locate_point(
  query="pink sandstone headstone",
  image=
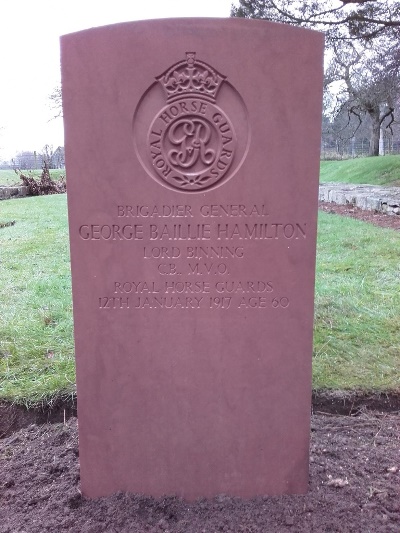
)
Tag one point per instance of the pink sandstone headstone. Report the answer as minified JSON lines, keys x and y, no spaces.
{"x":192,"y":150}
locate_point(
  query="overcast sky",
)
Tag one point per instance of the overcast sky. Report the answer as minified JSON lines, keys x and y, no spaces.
{"x":30,"y":56}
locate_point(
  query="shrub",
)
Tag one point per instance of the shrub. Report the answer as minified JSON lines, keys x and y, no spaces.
{"x":44,"y":184}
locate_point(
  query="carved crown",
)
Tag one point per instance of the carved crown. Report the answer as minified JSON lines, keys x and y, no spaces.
{"x":191,"y":77}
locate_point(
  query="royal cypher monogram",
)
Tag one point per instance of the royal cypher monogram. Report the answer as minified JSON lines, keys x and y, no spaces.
{"x":191,"y":141}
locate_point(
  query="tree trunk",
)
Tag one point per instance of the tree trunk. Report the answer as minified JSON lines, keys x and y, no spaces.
{"x":381,"y":142}
{"x":375,"y":132}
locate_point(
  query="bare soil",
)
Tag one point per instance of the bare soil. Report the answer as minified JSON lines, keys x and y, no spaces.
{"x":373,"y":217}
{"x":354,"y":487}
{"x":354,"y":473}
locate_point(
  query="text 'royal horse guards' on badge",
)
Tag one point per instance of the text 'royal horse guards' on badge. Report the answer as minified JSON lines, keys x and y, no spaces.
{"x":192,"y":144}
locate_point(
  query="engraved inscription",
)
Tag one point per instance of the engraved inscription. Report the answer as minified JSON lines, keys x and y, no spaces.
{"x":219,"y":295}
{"x":114,"y":232}
{"x":195,"y":265}
{"x":185,"y":211}
{"x":106,"y":302}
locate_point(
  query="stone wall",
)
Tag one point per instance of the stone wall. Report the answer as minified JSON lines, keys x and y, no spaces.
{"x":369,"y":197}
{"x":17,"y":191}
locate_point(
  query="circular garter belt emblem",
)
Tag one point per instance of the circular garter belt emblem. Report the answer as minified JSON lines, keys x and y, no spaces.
{"x":184,"y":135}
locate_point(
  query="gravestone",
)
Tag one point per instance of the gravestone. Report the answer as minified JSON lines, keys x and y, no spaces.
{"x":192,"y":152}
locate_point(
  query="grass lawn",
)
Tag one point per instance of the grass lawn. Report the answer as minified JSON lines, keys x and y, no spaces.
{"x":9,"y":177}
{"x":36,"y":347}
{"x":384,"y":170}
{"x":357,"y":306}
{"x":357,"y":326}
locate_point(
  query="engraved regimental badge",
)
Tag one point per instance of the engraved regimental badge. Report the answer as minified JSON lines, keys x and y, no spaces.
{"x":190,"y":128}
